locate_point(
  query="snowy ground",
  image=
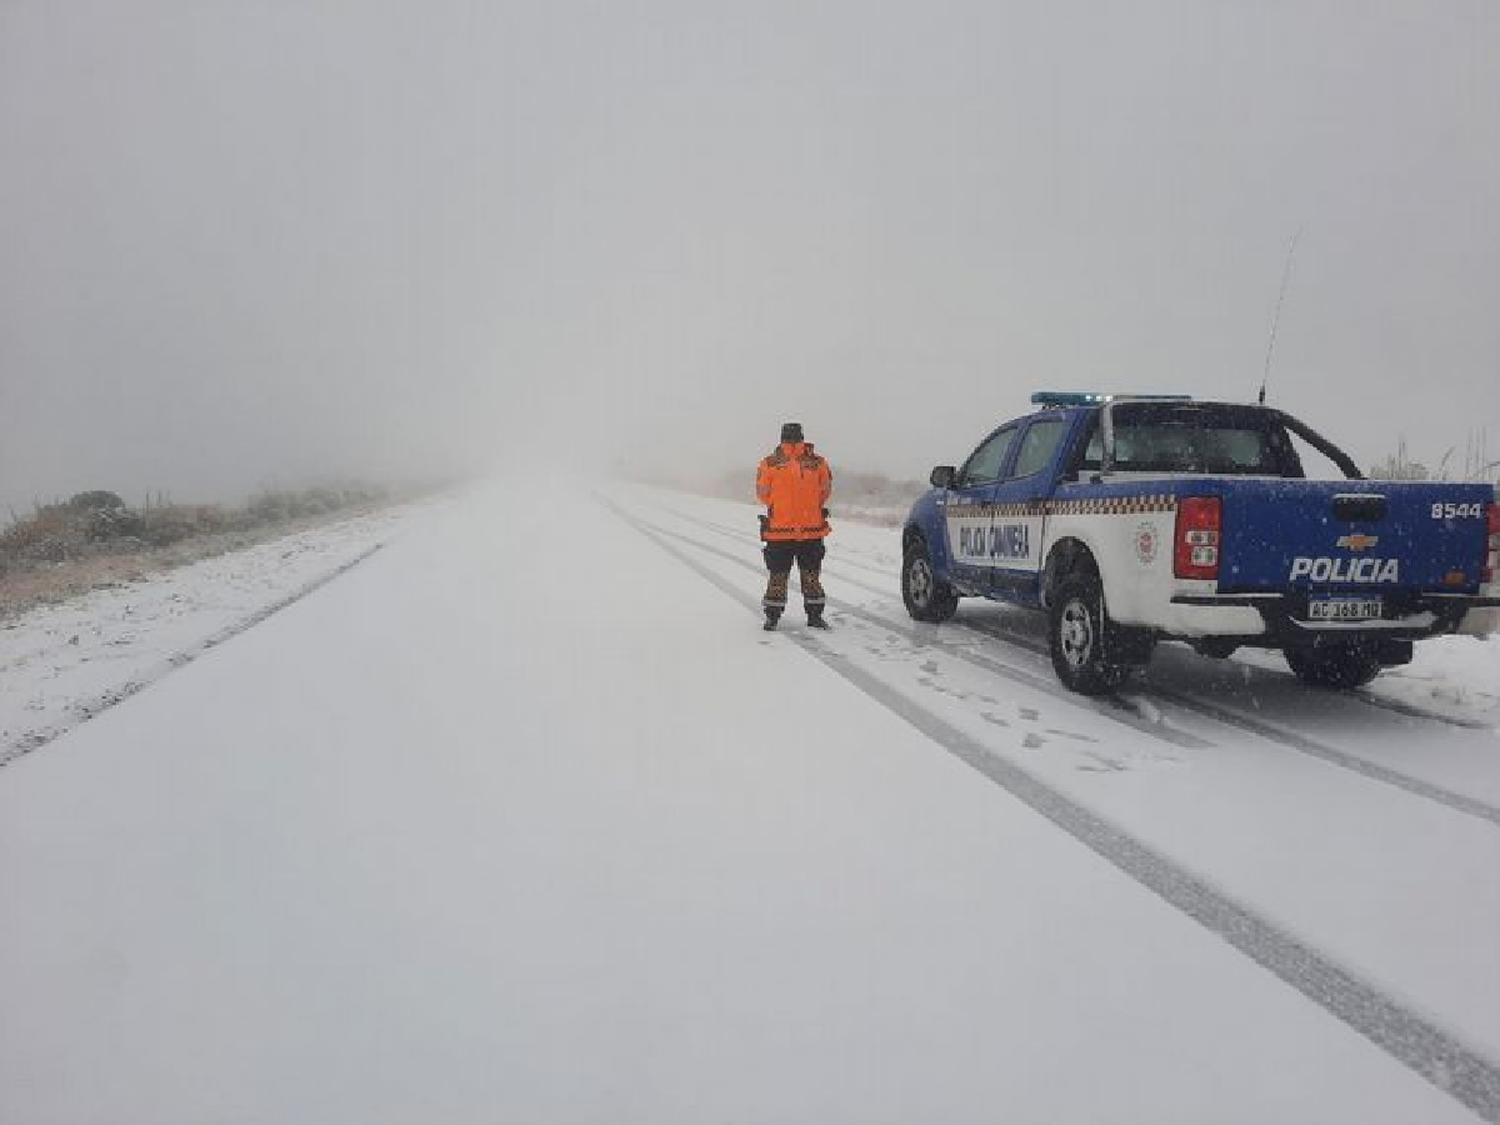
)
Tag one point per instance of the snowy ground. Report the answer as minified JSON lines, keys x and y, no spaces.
{"x":523,"y":819}
{"x":61,"y":664}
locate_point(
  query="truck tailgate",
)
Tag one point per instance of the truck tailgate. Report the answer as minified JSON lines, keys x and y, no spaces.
{"x":1295,"y":535}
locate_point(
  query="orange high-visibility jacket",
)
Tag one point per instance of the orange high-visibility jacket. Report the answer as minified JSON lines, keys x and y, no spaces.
{"x":794,"y":483}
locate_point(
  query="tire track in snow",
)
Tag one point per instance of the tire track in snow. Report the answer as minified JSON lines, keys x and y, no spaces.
{"x":1412,"y":711}
{"x":82,"y":712}
{"x":1361,"y":696}
{"x":1116,"y":710}
{"x":1470,"y":806}
{"x":1220,"y":713}
{"x":1291,"y":740}
{"x":1420,"y":1044}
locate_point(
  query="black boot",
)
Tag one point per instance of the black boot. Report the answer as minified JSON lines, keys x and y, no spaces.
{"x":772,"y":617}
{"x":815,"y":618}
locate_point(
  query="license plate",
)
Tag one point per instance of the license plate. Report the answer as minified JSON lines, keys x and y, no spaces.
{"x":1344,"y":609}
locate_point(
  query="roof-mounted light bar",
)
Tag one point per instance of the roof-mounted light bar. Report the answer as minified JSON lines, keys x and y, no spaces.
{"x":1093,"y":398}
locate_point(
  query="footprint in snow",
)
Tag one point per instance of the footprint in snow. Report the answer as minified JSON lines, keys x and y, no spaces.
{"x":1144,"y":708}
{"x":991,"y":717}
{"x":1103,"y":765}
{"x":1033,"y":741}
{"x":1072,"y":735}
{"x":931,"y":668}
{"x":1029,"y":713}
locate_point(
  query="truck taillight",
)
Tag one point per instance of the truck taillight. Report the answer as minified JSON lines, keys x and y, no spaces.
{"x":1492,"y":543}
{"x":1196,"y":551}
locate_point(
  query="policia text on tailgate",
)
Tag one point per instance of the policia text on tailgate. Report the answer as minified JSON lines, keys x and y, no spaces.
{"x":1131,"y":519}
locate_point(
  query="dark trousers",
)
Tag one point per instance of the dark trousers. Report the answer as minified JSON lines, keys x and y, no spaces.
{"x":808,"y":555}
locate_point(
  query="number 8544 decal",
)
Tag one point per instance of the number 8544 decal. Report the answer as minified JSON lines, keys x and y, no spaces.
{"x":1457,"y":511}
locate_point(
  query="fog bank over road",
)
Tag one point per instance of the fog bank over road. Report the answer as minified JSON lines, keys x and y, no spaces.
{"x":263,"y":244}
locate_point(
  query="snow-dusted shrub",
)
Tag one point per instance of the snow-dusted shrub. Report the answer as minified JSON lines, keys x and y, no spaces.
{"x":98,"y":499}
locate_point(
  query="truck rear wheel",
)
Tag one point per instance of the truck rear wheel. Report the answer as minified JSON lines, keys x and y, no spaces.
{"x":1079,"y":623}
{"x":1334,"y":666}
{"x":927,"y":597}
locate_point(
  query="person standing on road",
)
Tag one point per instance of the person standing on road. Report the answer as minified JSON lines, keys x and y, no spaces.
{"x":794,"y":484}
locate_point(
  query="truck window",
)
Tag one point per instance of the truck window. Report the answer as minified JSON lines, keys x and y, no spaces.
{"x":1038,"y":446}
{"x":983,"y":465}
{"x":1197,"y":438}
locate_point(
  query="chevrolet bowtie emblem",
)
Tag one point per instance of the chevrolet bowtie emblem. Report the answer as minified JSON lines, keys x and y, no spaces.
{"x":1358,"y":542}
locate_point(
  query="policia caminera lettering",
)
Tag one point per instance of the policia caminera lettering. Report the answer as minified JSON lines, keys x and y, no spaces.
{"x":794,"y":483}
{"x":999,"y":541}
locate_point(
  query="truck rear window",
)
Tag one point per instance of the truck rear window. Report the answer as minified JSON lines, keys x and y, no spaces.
{"x":1194,"y":438}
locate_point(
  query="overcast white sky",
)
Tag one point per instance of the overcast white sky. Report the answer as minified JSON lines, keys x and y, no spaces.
{"x":251,"y":242}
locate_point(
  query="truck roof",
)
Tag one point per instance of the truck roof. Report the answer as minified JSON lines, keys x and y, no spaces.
{"x":1053,"y":400}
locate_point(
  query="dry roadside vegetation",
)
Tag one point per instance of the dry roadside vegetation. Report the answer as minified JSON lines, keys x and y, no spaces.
{"x":64,"y":549}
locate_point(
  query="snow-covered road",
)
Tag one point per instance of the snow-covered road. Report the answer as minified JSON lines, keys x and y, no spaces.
{"x":524,"y":819}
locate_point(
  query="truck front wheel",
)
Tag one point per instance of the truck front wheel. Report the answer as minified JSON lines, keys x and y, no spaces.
{"x":927,"y":597}
{"x":1077,"y":637}
{"x":1334,"y":666}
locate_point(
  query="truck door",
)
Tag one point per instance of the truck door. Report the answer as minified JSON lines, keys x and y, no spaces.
{"x":1018,"y":509}
{"x":967,"y":509}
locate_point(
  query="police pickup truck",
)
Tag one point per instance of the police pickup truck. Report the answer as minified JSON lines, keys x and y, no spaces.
{"x":1137,"y":519}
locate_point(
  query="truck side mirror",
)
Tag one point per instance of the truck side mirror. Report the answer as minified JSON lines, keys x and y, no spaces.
{"x":942,"y":476}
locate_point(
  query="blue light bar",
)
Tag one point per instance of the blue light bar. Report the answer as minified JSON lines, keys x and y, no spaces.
{"x":1092,"y":398}
{"x":1068,"y":398}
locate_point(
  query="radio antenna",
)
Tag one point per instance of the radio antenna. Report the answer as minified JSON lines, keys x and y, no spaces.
{"x":1286,"y":277}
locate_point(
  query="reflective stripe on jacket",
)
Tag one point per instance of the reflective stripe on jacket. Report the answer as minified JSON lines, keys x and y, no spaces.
{"x":794,"y":483}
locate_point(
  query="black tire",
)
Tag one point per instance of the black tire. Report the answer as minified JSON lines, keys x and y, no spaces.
{"x":927,"y":597}
{"x":1077,"y":637}
{"x":1334,"y":666}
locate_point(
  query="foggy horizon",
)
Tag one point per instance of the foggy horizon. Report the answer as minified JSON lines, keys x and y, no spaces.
{"x":252,"y":245}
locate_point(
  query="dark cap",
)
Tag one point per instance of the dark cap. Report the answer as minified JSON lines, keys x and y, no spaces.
{"x":791,"y":431}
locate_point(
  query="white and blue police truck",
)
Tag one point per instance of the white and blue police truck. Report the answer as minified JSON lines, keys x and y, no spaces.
{"x":1133,"y":519}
